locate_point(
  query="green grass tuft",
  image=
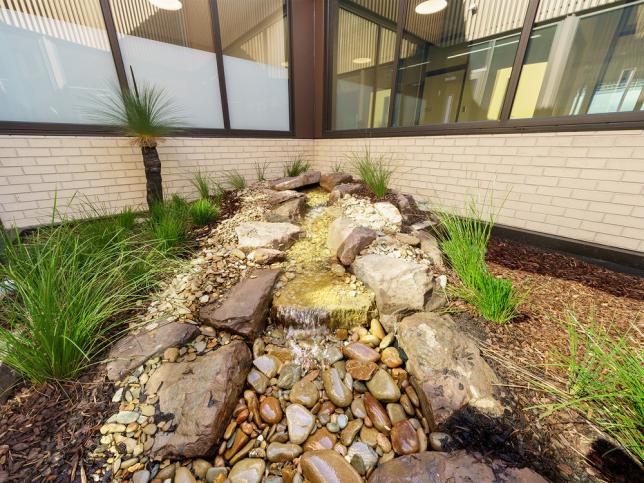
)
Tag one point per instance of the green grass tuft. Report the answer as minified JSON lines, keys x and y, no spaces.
{"x":260,"y":170}
{"x":203,"y":212}
{"x":375,"y":171}
{"x":337,"y":167}
{"x":126,"y":219}
{"x":201,"y":181}
{"x":169,"y":223}
{"x":236,"y":180}
{"x":296,"y":166}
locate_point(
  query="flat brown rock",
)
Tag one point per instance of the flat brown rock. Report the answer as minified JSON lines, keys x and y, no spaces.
{"x":359,"y":238}
{"x":135,"y":348}
{"x":245,"y":309}
{"x":294,"y":182}
{"x":327,"y":466}
{"x":344,"y":189}
{"x":260,"y":234}
{"x":328,"y":181}
{"x":201,"y":396}
{"x":288,"y":211}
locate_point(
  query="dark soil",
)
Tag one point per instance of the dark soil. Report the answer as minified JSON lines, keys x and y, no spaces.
{"x":230,"y":204}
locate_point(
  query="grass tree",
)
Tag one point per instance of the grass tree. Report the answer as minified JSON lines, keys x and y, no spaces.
{"x":147,"y":115}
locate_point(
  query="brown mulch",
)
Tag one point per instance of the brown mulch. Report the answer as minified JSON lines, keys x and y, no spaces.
{"x":46,"y":429}
{"x":230,"y":205}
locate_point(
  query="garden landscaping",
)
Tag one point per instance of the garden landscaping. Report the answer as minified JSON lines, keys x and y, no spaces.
{"x":317,"y":334}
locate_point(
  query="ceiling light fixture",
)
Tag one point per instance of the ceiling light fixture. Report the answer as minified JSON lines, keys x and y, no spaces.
{"x":361,"y":60}
{"x":429,"y":7}
{"x":167,"y":4}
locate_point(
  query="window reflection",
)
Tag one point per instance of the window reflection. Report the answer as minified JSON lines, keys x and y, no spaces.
{"x":591,"y":61}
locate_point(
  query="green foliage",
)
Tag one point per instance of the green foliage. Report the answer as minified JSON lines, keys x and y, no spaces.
{"x":147,"y":114}
{"x":375,"y":171}
{"x":260,"y":170}
{"x":296,"y":166}
{"x":203,"y":212}
{"x":126,"y":219}
{"x":71,"y":285}
{"x":218,"y":192}
{"x":464,"y":240}
{"x":201,"y":181}
{"x":337,"y":167}
{"x":169,"y":223}
{"x":236,"y":180}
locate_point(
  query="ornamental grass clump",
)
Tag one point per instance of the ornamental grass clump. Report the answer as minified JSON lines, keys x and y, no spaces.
{"x":236,"y":180}
{"x":201,"y":181}
{"x":203,"y":212}
{"x":260,"y":171}
{"x":169,"y":223}
{"x":464,"y":239}
{"x":375,"y":171}
{"x":296,"y":166}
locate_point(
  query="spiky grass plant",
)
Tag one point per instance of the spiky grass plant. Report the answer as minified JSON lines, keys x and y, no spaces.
{"x":375,"y":171}
{"x":218,"y":193}
{"x":203,"y":212}
{"x":464,"y":239}
{"x":296,"y":166}
{"x":169,"y":223}
{"x":126,"y":219}
{"x":201,"y":181}
{"x":236,"y":180}
{"x":147,"y":115}
{"x":337,"y":167}
{"x":68,"y":292}
{"x":260,"y":170}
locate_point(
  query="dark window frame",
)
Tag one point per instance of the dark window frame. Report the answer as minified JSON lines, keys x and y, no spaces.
{"x":505,"y":124}
{"x":69,"y":129}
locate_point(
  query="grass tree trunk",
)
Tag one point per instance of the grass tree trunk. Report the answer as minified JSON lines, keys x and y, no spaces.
{"x":152,"y":164}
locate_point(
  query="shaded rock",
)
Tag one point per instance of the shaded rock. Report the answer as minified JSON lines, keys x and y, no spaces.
{"x":339,"y":231}
{"x":258,"y":381}
{"x":134,"y":349}
{"x":383,"y":387}
{"x":266,"y":256}
{"x":446,"y":367}
{"x":280,"y":452}
{"x":361,"y":370}
{"x":289,"y":374}
{"x":344,"y":189}
{"x":201,"y":395}
{"x":8,"y":380}
{"x":294,"y":182}
{"x":321,"y":439}
{"x":270,"y":410}
{"x":276,"y":198}
{"x":328,"y":181}
{"x":289,"y":211}
{"x":249,"y":470}
{"x":436,"y":467}
{"x":327,"y":466}
{"x":335,"y":388}
{"x":404,"y":438}
{"x":260,"y":234}
{"x":429,"y":245}
{"x":305,"y":392}
{"x":300,"y":422}
{"x":406,"y":205}
{"x":399,"y":285}
{"x":362,"y":457}
{"x":358,"y":239}
{"x":245,"y":309}
{"x":407,"y":239}
{"x":440,"y":441}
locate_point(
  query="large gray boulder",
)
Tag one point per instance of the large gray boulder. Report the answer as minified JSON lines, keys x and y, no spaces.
{"x":458,"y":466}
{"x":200,"y":396}
{"x":259,"y":234}
{"x":294,"y":182}
{"x":150,"y":341}
{"x":400,"y":286}
{"x":245,"y":309}
{"x":446,"y":367}
{"x":288,"y":211}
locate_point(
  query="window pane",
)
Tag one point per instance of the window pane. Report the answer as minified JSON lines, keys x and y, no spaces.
{"x":55,"y":60}
{"x":363,"y":64}
{"x":457,"y":62}
{"x":254,"y":39}
{"x":172,"y":49}
{"x":585,"y":63}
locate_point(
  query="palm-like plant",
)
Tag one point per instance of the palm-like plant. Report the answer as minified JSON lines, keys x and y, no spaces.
{"x":147,"y":115}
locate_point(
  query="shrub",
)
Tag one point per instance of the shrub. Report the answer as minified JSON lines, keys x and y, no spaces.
{"x":203,"y":212}
{"x":168,"y":223}
{"x":296,"y":166}
{"x":69,"y":290}
{"x":464,"y":240}
{"x":218,"y":192}
{"x":201,"y":182}
{"x":374,"y":171}
{"x":260,"y":171}
{"x":236,"y":180}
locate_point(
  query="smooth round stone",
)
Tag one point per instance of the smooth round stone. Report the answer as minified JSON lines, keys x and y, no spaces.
{"x":258,"y":381}
{"x":214,"y":472}
{"x":396,"y":412}
{"x":383,"y":443}
{"x":376,"y":329}
{"x":362,"y":457}
{"x":361,"y":370}
{"x":300,"y":422}
{"x":127,"y":417}
{"x":369,"y":436}
{"x":142,"y":476}
{"x":249,"y":470}
{"x":349,"y":433}
{"x":270,"y":410}
{"x":335,"y":389}
{"x":328,"y":466}
{"x":321,"y":439}
{"x":305,"y":392}
{"x":407,"y":405}
{"x":391,"y":357}
{"x":200,"y":468}
{"x":332,"y":355}
{"x":383,"y":387}
{"x":258,"y":348}
{"x":268,"y":365}
{"x":166,"y":473}
{"x":377,"y":413}
{"x":289,"y":375}
{"x":361,"y":352}
{"x":360,"y":387}
{"x":370,"y":340}
{"x":440,"y":441}
{"x":387,"y":341}
{"x":357,"y":408}
{"x":333,"y":427}
{"x":404,"y":438}
{"x":183,"y":475}
{"x":342,"y":421}
{"x":280,"y":452}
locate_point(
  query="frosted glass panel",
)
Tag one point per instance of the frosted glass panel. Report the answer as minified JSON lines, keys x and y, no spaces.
{"x":174,"y":50}
{"x":54,"y":62}
{"x":254,"y":40}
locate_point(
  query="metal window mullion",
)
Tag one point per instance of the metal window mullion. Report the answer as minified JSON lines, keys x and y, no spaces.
{"x":519,"y":58}
{"x":112,"y":37}
{"x":219,"y":53}
{"x":402,"y":17}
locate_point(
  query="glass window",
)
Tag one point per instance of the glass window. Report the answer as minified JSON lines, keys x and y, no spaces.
{"x":255,"y":44}
{"x":590,"y":61}
{"x":55,"y":60}
{"x":363,"y":64}
{"x":458,"y":61}
{"x":173,"y":49}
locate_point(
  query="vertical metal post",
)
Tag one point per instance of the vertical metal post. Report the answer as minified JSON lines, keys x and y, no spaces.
{"x":219,"y":48}
{"x":112,"y":37}
{"x":402,"y":16}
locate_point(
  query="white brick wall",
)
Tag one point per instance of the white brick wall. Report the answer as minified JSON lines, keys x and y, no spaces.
{"x":35,"y":170}
{"x":586,"y":185}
